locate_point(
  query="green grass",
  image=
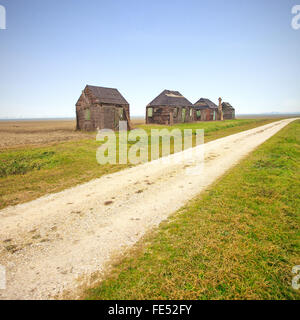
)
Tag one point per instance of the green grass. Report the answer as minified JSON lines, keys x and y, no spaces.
{"x":24,"y":161}
{"x":209,"y":126}
{"x":30,"y":172}
{"x":238,"y":240}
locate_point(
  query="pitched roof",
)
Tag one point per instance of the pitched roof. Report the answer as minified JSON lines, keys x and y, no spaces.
{"x":170,"y":98}
{"x":227,"y":105}
{"x":204,"y":103}
{"x":107,"y":95}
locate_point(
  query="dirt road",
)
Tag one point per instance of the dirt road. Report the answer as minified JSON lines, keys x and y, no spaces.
{"x":57,"y":242}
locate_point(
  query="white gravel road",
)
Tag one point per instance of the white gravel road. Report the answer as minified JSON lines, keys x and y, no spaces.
{"x":54,"y":244}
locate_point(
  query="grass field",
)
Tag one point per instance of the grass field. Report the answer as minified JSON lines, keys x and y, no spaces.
{"x":29,"y":171}
{"x":238,"y":240}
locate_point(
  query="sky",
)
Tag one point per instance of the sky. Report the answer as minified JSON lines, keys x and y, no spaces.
{"x":243,"y":51}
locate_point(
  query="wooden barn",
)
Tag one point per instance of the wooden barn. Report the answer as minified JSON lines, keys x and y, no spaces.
{"x":168,"y":108}
{"x":101,"y":108}
{"x":228,"y":111}
{"x":206,"y":110}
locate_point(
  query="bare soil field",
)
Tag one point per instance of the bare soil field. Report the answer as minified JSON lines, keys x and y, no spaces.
{"x":14,"y":134}
{"x":19,"y":133}
{"x":135,"y":121}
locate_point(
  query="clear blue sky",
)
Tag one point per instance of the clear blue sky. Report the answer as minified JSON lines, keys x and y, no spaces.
{"x":244,"y":51}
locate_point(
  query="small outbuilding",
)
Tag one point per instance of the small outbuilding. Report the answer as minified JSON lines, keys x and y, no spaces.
{"x":228,"y":111}
{"x":168,"y":108}
{"x":101,"y":108}
{"x":206,"y":110}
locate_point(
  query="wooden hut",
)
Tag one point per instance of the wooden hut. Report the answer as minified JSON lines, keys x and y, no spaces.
{"x":206,"y":110}
{"x":168,"y":108}
{"x":101,"y":108}
{"x":228,"y":111}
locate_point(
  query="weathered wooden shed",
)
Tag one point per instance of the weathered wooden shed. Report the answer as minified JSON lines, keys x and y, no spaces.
{"x":206,"y":110}
{"x":168,"y":108}
{"x":228,"y":111}
{"x":101,"y":108}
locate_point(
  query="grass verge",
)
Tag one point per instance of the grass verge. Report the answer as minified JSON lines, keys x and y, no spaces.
{"x":30,"y":172}
{"x":238,"y":240}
